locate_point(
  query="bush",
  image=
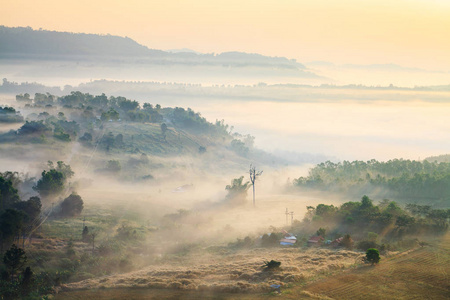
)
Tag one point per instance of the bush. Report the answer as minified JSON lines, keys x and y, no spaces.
{"x":365,"y":245}
{"x":272,"y":264}
{"x":373,"y":256}
{"x":72,"y":206}
{"x":270,"y":240}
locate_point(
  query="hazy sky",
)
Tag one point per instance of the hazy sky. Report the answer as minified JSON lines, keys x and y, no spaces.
{"x":407,"y":32}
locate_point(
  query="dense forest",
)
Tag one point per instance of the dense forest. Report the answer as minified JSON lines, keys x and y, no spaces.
{"x":409,"y":181}
{"x":129,"y":132}
{"x":85,"y":114}
{"x":388,"y":220}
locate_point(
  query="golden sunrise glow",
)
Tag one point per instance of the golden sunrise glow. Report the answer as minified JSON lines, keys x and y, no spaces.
{"x":412,"y":33}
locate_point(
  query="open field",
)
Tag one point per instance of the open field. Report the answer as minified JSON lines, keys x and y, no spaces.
{"x":224,"y":270}
{"x":422,"y":273}
{"x":221,"y":272}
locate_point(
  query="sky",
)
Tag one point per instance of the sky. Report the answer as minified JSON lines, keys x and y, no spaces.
{"x":411,"y":33}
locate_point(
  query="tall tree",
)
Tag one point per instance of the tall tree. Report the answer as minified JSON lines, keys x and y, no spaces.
{"x":253,"y":175}
{"x":53,"y":181}
{"x":8,"y":194}
{"x":14,"y":259}
{"x":11,"y":223}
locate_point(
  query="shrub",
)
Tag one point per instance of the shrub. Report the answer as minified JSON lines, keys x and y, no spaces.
{"x":271,"y":264}
{"x":72,"y":206}
{"x":365,"y":245}
{"x":270,"y":240}
{"x":373,"y":256}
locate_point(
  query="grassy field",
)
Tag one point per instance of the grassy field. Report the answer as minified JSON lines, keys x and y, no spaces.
{"x":135,"y":294}
{"x":228,"y":271}
{"x":422,"y":273}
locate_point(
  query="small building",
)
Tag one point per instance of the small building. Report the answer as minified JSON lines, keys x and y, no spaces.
{"x":288,"y":240}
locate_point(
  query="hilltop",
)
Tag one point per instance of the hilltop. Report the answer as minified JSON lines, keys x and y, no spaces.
{"x":28,"y":44}
{"x":130,"y":141}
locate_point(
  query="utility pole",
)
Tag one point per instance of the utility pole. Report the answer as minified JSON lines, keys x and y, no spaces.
{"x":287,"y":214}
{"x":253,"y":176}
{"x":292,"y":217}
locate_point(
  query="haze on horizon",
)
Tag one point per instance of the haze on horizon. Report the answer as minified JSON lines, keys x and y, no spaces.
{"x":410,"y":33}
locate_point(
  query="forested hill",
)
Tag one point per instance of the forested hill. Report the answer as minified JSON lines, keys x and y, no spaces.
{"x":421,"y":182}
{"x":26,"y":43}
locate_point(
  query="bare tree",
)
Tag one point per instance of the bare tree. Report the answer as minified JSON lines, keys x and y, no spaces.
{"x":253,"y":175}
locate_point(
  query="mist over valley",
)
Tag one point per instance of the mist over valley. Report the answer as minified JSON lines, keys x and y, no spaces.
{"x":131,"y":172}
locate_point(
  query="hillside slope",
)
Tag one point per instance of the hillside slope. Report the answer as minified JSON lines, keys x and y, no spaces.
{"x":420,"y":274}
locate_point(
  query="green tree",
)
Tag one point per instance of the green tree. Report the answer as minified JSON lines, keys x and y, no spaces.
{"x":11,"y":223}
{"x":111,"y":114}
{"x":86,"y":139}
{"x":72,"y":206}
{"x":324,"y":210}
{"x":51,"y":183}
{"x":237,"y":190}
{"x":33,"y":127}
{"x":109,"y":140}
{"x":373,"y":256}
{"x":31,"y":209}
{"x":65,"y":169}
{"x":14,"y":260}
{"x":8,"y":194}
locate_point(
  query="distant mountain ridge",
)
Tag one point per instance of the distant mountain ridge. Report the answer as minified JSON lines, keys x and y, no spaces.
{"x":26,"y":43}
{"x":24,"y":40}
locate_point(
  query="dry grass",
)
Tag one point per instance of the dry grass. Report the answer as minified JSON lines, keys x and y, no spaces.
{"x":422,"y":273}
{"x":419,"y":274}
{"x":238,"y":272}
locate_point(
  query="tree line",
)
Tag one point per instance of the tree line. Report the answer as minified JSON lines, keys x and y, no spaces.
{"x":408,"y":180}
{"x":367,"y":221}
